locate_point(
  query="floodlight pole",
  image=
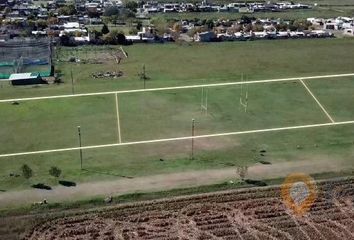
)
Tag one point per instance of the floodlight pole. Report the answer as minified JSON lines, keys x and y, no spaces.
{"x":206,"y":101}
{"x":79,"y":132}
{"x":72,"y":82}
{"x":193,"y":127}
{"x":144,"y":76}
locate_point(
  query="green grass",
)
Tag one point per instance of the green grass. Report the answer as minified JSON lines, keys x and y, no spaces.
{"x":270,"y":105}
{"x":48,"y":124}
{"x":39,"y":123}
{"x":141,"y":160}
{"x":337,"y":96}
{"x":171,"y":64}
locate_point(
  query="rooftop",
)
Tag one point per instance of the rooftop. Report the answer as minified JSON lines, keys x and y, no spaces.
{"x":20,"y":76}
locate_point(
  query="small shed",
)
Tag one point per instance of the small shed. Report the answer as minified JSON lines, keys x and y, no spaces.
{"x":26,"y":78}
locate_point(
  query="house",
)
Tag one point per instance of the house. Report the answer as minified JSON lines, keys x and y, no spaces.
{"x":70,"y":25}
{"x":348,"y":32}
{"x":146,"y":35}
{"x":333,"y":24}
{"x":26,"y":79}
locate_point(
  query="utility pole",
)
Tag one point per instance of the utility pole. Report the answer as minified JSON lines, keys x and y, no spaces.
{"x":193,"y":127}
{"x":79,"y":132}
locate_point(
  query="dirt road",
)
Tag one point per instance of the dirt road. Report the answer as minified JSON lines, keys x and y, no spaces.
{"x":168,"y":181}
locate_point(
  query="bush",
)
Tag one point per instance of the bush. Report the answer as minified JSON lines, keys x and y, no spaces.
{"x":55,"y":172}
{"x":115,"y":37}
{"x":26,"y":171}
{"x":131,"y":5}
{"x":67,"y":10}
{"x":105,"y":29}
{"x":110,"y":11}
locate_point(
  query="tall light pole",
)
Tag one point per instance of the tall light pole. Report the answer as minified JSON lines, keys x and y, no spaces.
{"x":72,"y":81}
{"x":79,"y":132}
{"x":144,"y":76}
{"x":193,"y":126}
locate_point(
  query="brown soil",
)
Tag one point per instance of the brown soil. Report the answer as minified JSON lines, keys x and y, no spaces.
{"x":256,"y":213}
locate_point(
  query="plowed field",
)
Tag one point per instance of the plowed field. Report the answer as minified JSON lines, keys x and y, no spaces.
{"x":255,"y":213}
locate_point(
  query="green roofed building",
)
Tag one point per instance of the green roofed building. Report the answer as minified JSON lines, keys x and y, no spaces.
{"x":26,"y":78}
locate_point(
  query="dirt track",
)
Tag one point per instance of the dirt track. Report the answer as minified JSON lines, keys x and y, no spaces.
{"x":168,"y":181}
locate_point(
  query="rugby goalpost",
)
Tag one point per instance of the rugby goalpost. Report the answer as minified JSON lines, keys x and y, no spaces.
{"x":243,"y":104}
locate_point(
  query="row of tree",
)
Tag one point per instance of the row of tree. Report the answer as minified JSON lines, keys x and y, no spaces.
{"x":27,"y":172}
{"x":105,"y":36}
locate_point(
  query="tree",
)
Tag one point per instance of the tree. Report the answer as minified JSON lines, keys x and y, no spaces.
{"x":210,"y":24}
{"x":110,"y":11}
{"x":131,"y":5}
{"x":55,"y":172}
{"x":127,"y":13}
{"x":282,"y":26}
{"x":26,"y":171}
{"x":115,"y":37}
{"x":160,"y":24}
{"x":257,"y":28}
{"x":177,"y":27}
{"x":105,"y":29}
{"x":67,"y":10}
{"x":31,"y":17}
{"x":78,"y":34}
{"x":246,"y":20}
{"x":247,"y":27}
{"x":52,"y":21}
{"x":7,"y":10}
{"x":139,"y":26}
{"x":42,"y":24}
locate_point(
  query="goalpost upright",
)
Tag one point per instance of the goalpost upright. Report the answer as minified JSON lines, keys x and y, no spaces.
{"x":244,"y":97}
{"x":204,"y":100}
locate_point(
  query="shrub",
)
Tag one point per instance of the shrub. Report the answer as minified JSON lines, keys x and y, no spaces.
{"x":26,"y":171}
{"x":55,"y":172}
{"x":105,"y":29}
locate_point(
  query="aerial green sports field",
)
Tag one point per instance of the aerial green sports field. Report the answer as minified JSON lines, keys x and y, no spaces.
{"x":52,"y":123}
